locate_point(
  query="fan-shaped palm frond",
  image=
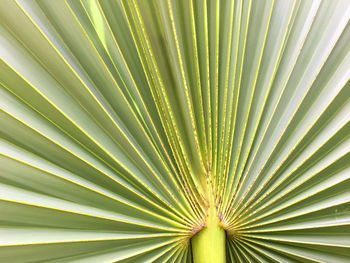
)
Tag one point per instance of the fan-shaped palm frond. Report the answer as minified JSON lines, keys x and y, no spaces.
{"x":174,"y":131}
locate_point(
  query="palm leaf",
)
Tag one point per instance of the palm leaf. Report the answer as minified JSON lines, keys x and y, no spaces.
{"x":129,"y":127}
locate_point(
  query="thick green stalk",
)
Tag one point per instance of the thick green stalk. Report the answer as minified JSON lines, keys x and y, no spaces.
{"x":208,"y":245}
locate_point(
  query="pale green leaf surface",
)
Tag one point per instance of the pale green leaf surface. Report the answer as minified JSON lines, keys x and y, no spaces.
{"x":118,"y":117}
